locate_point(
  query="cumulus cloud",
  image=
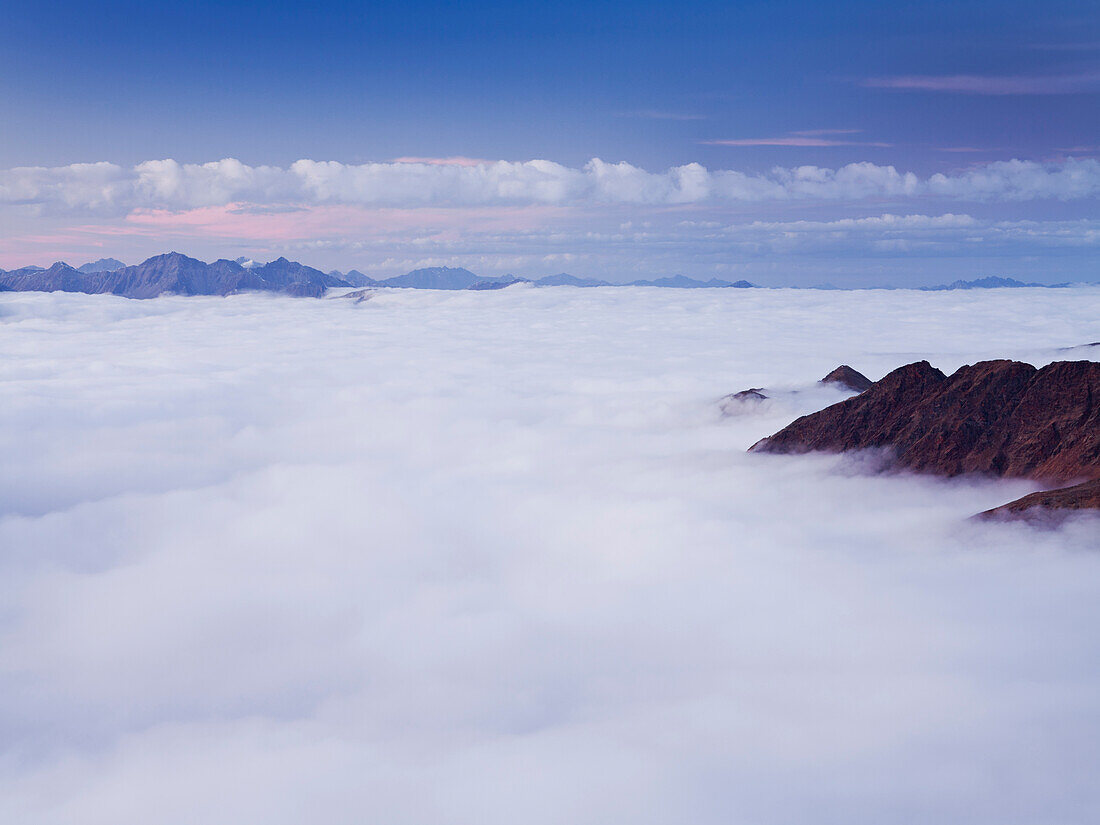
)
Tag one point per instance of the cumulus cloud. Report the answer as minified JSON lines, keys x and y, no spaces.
{"x":1017,"y":180}
{"x":168,"y":184}
{"x":497,"y":557}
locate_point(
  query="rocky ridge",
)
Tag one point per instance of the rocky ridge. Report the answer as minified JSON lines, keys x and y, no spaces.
{"x":1000,"y":418}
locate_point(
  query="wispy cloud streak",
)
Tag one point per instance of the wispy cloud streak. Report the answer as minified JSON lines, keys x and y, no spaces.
{"x":793,"y":140}
{"x":803,"y":138}
{"x":1083,"y":83}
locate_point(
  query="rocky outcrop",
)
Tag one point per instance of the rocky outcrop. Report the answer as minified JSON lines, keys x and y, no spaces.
{"x":357,"y":296}
{"x":843,"y":377}
{"x":999,"y":418}
{"x":751,"y":394}
{"x":739,"y":402}
{"x":847,"y":378}
{"x":1050,"y":505}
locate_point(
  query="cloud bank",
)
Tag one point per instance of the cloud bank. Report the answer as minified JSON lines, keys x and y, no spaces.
{"x":495,"y":557}
{"x":167,"y":184}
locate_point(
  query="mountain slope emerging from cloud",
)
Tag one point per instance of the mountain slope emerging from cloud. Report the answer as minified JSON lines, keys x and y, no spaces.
{"x":997,"y":418}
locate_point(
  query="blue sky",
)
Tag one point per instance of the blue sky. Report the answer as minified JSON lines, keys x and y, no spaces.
{"x":929,"y":88}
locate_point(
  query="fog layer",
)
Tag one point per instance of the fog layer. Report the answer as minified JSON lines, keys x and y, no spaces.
{"x":499,"y":558}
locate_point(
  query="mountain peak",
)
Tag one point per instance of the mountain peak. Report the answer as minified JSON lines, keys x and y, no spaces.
{"x":102,"y":265}
{"x":436,"y":277}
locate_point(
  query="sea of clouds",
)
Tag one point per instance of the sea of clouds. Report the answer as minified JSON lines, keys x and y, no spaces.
{"x":498,"y":558}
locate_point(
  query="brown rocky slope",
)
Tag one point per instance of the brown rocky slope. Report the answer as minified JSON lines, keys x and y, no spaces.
{"x":1001,"y":418}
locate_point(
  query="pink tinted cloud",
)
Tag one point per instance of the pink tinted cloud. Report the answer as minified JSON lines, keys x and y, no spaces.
{"x":798,"y":139}
{"x":816,"y":132}
{"x":245,"y":222}
{"x":258,"y":225}
{"x":42,"y":250}
{"x":991,"y":85}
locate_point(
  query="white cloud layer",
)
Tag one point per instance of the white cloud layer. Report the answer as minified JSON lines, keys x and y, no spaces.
{"x":106,"y":187}
{"x":496,"y":558}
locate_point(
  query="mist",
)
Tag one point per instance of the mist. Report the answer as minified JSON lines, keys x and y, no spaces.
{"x":499,"y":557}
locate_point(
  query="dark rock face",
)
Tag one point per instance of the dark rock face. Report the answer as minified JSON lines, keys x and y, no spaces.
{"x":739,"y":402}
{"x":177,"y":274}
{"x":1080,"y":346}
{"x":1050,"y":505}
{"x":1001,"y":418}
{"x":356,"y":297}
{"x":751,"y":394}
{"x":846,"y":377}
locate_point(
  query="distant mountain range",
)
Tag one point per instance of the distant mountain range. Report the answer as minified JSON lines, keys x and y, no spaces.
{"x":446,"y":277}
{"x":174,"y":273}
{"x":991,"y":282}
{"x":569,"y":280}
{"x":683,"y":282}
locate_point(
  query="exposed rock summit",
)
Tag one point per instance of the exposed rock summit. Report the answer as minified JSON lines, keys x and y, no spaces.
{"x":845,"y":376}
{"x":736,"y":402}
{"x":103,"y":265}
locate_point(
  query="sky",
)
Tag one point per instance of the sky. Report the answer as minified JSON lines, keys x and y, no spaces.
{"x":391,"y":136}
{"x":455,"y":557}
